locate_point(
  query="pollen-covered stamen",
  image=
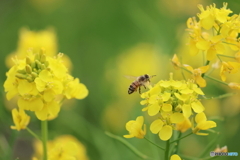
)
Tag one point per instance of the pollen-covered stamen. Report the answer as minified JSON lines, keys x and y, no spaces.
{"x":49,"y":85}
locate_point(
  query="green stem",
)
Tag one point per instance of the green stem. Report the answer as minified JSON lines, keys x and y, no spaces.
{"x":225,"y":56}
{"x":167,"y":149}
{"x":209,"y":77}
{"x":154,"y":144}
{"x":181,"y":138}
{"x":177,"y":144}
{"x":209,"y":146}
{"x":182,"y":70}
{"x":229,"y":43}
{"x":207,"y":63}
{"x":214,"y":79}
{"x":44,"y":128}
{"x":220,"y":96}
{"x":127,"y":144}
{"x":33,"y":134}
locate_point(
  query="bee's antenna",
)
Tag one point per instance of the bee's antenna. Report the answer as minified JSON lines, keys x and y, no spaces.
{"x":153,"y":76}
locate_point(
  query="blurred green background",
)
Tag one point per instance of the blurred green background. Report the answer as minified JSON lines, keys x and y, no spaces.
{"x":97,"y":36}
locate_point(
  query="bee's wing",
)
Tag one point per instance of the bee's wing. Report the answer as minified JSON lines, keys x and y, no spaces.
{"x":130,"y":77}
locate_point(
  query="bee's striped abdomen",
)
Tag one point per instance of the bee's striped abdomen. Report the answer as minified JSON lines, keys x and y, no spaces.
{"x":132,"y":88}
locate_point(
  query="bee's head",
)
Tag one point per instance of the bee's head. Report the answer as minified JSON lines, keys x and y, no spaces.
{"x":146,"y":76}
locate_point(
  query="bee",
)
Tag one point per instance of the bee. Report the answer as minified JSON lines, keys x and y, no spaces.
{"x":140,"y":81}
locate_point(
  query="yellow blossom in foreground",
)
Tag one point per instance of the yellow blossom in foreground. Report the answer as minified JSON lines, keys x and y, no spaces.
{"x":175,"y":157}
{"x":165,"y":131}
{"x":65,"y":147}
{"x":173,"y":102}
{"x":41,"y":82}
{"x":20,"y":119}
{"x":184,"y":125}
{"x":203,"y":124}
{"x":135,"y":128}
{"x":197,"y":74}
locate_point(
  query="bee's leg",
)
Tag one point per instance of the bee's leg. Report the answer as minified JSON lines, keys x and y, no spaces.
{"x":139,"y":90}
{"x":144,"y":86}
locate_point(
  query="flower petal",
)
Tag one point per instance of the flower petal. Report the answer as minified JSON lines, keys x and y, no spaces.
{"x":156,"y":126}
{"x":165,"y":133}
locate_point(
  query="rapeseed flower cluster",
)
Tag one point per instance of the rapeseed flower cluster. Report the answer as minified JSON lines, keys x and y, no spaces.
{"x":174,"y":104}
{"x":64,"y":147}
{"x":41,"y":82}
{"x":215,"y":33}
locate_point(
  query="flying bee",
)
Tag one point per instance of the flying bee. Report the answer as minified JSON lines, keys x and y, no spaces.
{"x":140,"y":81}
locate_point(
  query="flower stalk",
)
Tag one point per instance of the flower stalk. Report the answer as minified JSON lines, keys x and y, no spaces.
{"x":167,"y":149}
{"x":33,"y":134}
{"x":44,"y":128}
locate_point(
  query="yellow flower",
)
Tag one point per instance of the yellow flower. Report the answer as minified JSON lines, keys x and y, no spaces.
{"x":135,"y":128}
{"x":223,"y":149}
{"x":175,"y":62}
{"x":184,"y":125}
{"x":65,"y":147}
{"x":228,"y":67}
{"x":211,"y":14}
{"x":10,"y":85}
{"x":175,"y":157}
{"x":203,"y":124}
{"x":165,"y":125}
{"x":34,"y":40}
{"x":183,"y":98}
{"x":234,"y":85}
{"x":194,"y":30}
{"x":197,"y":74}
{"x":41,"y":82}
{"x":212,"y":46}
{"x":164,"y":130}
{"x":213,"y":32}
{"x":20,"y":119}
{"x":75,"y":89}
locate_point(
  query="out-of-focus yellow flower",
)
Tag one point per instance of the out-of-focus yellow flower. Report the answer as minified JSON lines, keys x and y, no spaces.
{"x":175,"y":157}
{"x":65,"y":147}
{"x":234,"y":85}
{"x":20,"y":119}
{"x":138,"y":60}
{"x":39,"y":81}
{"x":223,"y":149}
{"x":34,"y":41}
{"x":175,"y":62}
{"x":237,"y":56}
{"x":228,"y":67}
{"x":135,"y":128}
{"x":203,"y":124}
{"x":197,"y":74}
{"x":184,"y":125}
